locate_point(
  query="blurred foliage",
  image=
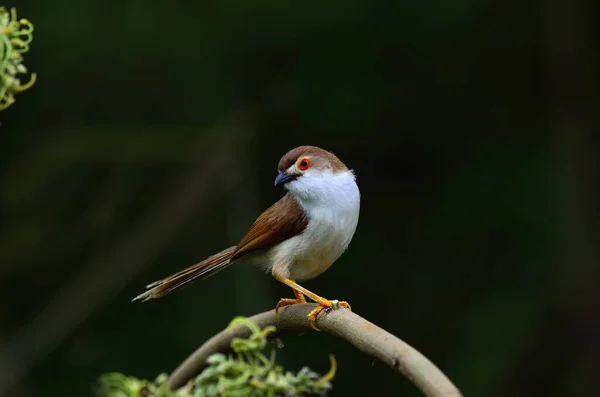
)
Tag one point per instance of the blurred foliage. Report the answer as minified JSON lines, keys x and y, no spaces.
{"x":15,"y":37}
{"x":247,"y":373}
{"x":119,"y":385}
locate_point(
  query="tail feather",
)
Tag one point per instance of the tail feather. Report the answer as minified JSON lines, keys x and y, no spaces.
{"x":204,"y":269}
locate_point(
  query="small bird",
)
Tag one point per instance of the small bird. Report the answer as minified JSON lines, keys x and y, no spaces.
{"x":297,"y":238}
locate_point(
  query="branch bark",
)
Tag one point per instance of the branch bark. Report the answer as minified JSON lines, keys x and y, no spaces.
{"x":344,"y":324}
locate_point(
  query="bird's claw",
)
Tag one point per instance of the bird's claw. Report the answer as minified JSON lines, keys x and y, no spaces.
{"x":325,"y":304}
{"x":286,"y":302}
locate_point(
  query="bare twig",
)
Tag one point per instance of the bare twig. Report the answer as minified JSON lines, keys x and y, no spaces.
{"x":344,"y":324}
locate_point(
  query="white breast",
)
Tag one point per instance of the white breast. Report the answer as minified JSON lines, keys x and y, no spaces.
{"x":332,"y":204}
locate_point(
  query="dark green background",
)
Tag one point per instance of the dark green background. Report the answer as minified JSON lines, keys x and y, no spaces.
{"x":151,"y":140}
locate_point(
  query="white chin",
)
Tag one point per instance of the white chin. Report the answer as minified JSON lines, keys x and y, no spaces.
{"x":325,"y":186}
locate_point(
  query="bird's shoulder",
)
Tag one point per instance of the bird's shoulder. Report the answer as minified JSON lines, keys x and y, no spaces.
{"x":279,"y":222}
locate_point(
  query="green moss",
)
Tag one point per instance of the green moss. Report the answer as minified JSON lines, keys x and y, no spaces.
{"x":246,"y":372}
{"x":15,"y":37}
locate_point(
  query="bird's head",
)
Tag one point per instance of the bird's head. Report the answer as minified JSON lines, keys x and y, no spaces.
{"x":309,"y":171}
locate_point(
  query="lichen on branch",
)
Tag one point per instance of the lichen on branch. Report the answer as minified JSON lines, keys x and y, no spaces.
{"x":15,"y":37}
{"x":244,"y":372}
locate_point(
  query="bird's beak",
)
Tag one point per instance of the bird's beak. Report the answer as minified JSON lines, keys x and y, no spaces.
{"x":283,"y":178}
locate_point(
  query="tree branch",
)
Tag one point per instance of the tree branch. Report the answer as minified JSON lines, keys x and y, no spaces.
{"x":344,"y":324}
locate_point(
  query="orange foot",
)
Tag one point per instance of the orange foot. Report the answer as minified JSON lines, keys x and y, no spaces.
{"x":325,"y":304}
{"x":286,"y":302}
{"x":300,"y":291}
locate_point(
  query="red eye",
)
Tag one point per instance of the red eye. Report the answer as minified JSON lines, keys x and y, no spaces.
{"x":303,"y":164}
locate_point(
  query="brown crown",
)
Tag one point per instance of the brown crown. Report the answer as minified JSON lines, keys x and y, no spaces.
{"x":321,"y":159}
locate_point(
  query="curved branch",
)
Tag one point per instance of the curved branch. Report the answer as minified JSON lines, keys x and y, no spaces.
{"x":344,"y":324}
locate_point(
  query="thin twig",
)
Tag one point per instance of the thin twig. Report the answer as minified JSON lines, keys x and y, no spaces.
{"x":344,"y":324}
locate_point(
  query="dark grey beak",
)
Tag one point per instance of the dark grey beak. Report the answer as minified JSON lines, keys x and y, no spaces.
{"x":283,"y":178}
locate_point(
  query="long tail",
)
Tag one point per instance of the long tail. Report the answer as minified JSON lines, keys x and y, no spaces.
{"x":204,"y":269}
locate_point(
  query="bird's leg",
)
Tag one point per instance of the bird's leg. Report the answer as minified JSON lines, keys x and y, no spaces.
{"x":301,"y":291}
{"x":287,"y":301}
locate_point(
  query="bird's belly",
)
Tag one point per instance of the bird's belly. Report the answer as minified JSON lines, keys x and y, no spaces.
{"x":311,"y":264}
{"x":309,"y":254}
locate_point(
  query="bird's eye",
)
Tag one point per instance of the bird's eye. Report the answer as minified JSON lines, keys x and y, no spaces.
{"x":303,"y":164}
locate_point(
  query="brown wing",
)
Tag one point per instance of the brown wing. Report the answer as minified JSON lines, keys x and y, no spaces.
{"x":281,"y":221}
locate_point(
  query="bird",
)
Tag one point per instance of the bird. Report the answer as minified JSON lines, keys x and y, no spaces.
{"x":298,"y":237}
